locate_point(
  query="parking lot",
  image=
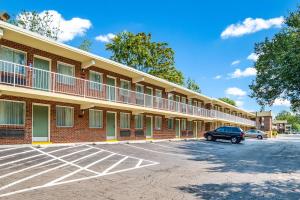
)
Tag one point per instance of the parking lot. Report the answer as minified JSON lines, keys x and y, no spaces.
{"x":267,"y":169}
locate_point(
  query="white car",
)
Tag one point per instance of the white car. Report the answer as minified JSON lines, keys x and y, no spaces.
{"x":256,"y":134}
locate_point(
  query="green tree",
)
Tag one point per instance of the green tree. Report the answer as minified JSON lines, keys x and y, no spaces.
{"x":278,"y":65}
{"x":39,"y":23}
{"x":139,"y":52}
{"x":292,"y":119}
{"x":229,"y":101}
{"x":192,"y":85}
{"x":85,"y":45}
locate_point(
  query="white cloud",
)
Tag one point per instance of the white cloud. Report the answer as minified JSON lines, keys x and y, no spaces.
{"x":218,"y":77}
{"x":250,"y":25}
{"x":69,"y":29}
{"x":282,"y":102}
{"x":105,"y":38}
{"x":253,"y":57}
{"x":250,"y":71}
{"x":234,"y":91}
{"x":236,"y":62}
{"x":239,"y":103}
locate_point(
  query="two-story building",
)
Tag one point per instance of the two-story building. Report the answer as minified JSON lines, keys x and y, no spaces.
{"x":53,"y":92}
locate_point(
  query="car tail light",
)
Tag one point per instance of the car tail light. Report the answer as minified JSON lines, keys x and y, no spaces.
{"x":242,"y":134}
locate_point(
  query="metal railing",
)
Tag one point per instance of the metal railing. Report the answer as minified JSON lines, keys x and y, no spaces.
{"x":38,"y":79}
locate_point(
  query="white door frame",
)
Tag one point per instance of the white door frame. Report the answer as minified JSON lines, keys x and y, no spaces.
{"x":151,"y":117}
{"x":196,"y":129}
{"x":49,"y":121}
{"x":109,"y":137}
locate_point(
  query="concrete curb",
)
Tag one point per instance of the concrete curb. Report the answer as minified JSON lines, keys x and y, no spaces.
{"x":104,"y":143}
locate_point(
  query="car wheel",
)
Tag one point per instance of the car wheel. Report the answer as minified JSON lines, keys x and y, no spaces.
{"x":209,"y":138}
{"x":259,"y":137}
{"x":234,"y":140}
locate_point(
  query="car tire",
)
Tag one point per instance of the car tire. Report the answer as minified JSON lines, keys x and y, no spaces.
{"x":234,"y":140}
{"x":259,"y":137}
{"x":209,"y":138}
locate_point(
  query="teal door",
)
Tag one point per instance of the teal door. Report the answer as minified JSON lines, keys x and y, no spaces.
{"x":111,"y":90}
{"x":177,"y":127}
{"x":110,"y":125}
{"x":40,"y":123}
{"x":149,"y":127}
{"x":41,"y":74}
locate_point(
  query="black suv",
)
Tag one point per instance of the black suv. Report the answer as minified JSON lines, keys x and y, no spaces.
{"x":232,"y":133}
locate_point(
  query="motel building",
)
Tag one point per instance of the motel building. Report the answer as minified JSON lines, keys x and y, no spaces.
{"x":54,"y":93}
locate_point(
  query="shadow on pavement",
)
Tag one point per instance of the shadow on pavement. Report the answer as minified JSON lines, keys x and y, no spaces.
{"x":248,"y":157}
{"x":268,"y":190}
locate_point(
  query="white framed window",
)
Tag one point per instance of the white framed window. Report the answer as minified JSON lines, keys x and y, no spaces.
{"x":95,"y":118}
{"x":138,"y":121}
{"x":12,"y":112}
{"x":158,"y":123}
{"x":158,"y":93}
{"x":139,"y":94}
{"x":125,"y":87}
{"x":12,"y":56}
{"x":190,"y":125}
{"x":124,"y":120}
{"x":170,"y":123}
{"x":66,"y":73}
{"x":64,"y":116}
{"x":96,"y":80}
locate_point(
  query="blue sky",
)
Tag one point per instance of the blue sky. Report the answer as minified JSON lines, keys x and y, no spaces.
{"x":192,"y":28}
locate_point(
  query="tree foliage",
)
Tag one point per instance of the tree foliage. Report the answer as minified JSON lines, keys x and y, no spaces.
{"x":292,"y":119}
{"x":138,"y":51}
{"x":85,"y":45}
{"x":192,"y":85}
{"x":278,"y":68}
{"x":38,"y":23}
{"x":227,"y":100}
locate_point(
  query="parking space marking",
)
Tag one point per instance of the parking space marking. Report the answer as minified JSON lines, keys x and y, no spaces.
{"x":22,"y":159}
{"x":42,"y":163}
{"x":159,"y":152}
{"x":78,"y":170}
{"x":64,"y":163}
{"x":19,"y":153}
{"x":11,"y":148}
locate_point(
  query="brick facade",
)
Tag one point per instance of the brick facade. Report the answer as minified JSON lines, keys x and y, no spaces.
{"x":81,"y":132}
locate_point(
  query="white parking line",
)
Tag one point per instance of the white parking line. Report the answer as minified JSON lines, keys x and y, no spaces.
{"x":11,"y":155}
{"x":159,"y":152}
{"x":114,"y":165}
{"x":12,"y":148}
{"x":42,"y":163}
{"x":43,"y":172}
{"x":18,"y":160}
{"x":78,"y":170}
{"x":66,"y":163}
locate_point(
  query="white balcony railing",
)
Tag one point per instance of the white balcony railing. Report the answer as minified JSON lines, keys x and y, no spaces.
{"x":28,"y":77}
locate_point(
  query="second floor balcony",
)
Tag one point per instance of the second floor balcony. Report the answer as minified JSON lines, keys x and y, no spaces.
{"x":17,"y":75}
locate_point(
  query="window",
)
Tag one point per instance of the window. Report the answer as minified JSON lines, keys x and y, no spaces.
{"x":221,"y":129}
{"x":183,"y":124}
{"x":12,"y":112}
{"x":13,"y":56}
{"x":124,"y":120}
{"x":125,"y":85}
{"x":96,"y":80}
{"x":95,"y":118}
{"x":158,"y":123}
{"x":64,"y":116}
{"x":159,"y":100}
{"x":67,"y":74}
{"x":170,"y":123}
{"x":138,"y":121}
{"x":139,"y":94}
